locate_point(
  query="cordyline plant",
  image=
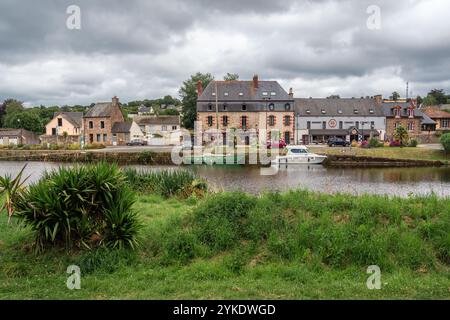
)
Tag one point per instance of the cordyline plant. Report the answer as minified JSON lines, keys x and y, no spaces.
{"x":10,"y":189}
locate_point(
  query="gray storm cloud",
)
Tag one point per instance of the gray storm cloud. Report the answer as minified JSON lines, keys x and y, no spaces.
{"x":145,"y":49}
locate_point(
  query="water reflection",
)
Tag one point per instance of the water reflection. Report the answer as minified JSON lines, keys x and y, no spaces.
{"x":392,"y":181}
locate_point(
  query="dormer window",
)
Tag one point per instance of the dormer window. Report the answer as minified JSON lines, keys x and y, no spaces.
{"x":371,"y":111}
{"x":213,"y":94}
{"x":411,"y":113}
{"x":323,"y":111}
{"x":308,"y":111}
{"x":397,"y":112}
{"x":273,"y":93}
{"x":225,"y":94}
{"x":241,"y":94}
{"x":355,"y":111}
{"x":265,"y":93}
{"x":340,"y":111}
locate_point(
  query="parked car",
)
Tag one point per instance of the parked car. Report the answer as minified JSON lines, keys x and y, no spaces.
{"x":332,"y":142}
{"x":276,"y":144}
{"x":137,"y":142}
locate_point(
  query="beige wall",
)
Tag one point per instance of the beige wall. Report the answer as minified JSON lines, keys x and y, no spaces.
{"x":66,"y":127}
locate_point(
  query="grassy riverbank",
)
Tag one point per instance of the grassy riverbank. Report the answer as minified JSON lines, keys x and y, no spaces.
{"x":296,"y":245}
{"x":386,"y":152}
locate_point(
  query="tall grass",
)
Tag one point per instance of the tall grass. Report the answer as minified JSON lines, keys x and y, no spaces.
{"x":166,"y":183}
{"x":300,"y":226}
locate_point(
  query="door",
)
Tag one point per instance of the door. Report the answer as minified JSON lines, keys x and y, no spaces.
{"x":305,"y":139}
{"x":287,"y":137}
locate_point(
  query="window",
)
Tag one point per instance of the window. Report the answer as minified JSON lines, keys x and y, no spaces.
{"x":340,"y":111}
{"x":287,"y":120}
{"x":91,"y":125}
{"x":273,"y":93}
{"x":98,"y":137}
{"x":59,"y":122}
{"x":411,"y":113}
{"x":397,"y":112}
{"x":225,"y":94}
{"x":355,"y":111}
{"x":410,"y":126}
{"x":308,"y":111}
{"x":324,"y":125}
{"x":287,"y":107}
{"x":271,"y":120}
{"x":357,"y":124}
{"x":174,"y":127}
{"x":308,"y":125}
{"x":371,"y":111}
{"x":341,"y":125}
{"x":210,"y":121}
{"x":271,"y":107}
{"x":213,"y":94}
{"x":225,"y":121}
{"x":396,"y":125}
{"x":210,"y":107}
{"x":53,"y":131}
{"x":372,"y":124}
{"x":244,"y":122}
{"x":299,"y":151}
{"x":102,"y":124}
{"x":324,"y":111}
{"x":225,"y":107}
{"x":105,"y":137}
{"x":264,"y":93}
{"x":445,"y":123}
{"x":164,"y":128}
{"x":241,"y":94}
{"x":244,"y":107}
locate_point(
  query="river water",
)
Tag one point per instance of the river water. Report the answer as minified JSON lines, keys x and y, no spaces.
{"x":391,"y":181}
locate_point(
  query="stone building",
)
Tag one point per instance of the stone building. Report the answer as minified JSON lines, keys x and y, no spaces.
{"x":403,"y":114}
{"x":17,"y":136}
{"x":255,"y":108}
{"x":99,"y":120}
{"x":439,"y":116}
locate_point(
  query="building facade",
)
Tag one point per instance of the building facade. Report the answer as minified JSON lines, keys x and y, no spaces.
{"x":349,"y":119}
{"x":17,"y":136}
{"x":160,"y":130}
{"x":65,"y":127}
{"x":439,"y":116}
{"x":403,"y":114}
{"x":124,"y":132}
{"x":258,"y":109}
{"x":99,"y":120}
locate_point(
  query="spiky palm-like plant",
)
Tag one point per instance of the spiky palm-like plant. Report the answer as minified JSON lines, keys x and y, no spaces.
{"x":11,"y":188}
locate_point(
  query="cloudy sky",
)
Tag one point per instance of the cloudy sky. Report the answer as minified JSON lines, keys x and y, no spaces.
{"x":145,"y":49}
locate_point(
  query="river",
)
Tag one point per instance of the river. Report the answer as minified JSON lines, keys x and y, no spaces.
{"x":391,"y":181}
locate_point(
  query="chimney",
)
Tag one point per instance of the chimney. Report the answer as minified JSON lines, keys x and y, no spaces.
{"x":115,"y":101}
{"x":378,"y":99}
{"x":291,"y":93}
{"x":255,"y":81}
{"x":199,"y":88}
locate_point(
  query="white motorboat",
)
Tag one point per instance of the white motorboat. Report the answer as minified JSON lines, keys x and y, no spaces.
{"x":298,"y":155}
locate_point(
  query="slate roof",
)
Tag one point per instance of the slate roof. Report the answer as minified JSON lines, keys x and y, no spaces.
{"x":144,"y":109}
{"x":6,"y":132}
{"x":121,"y":127}
{"x":100,"y":109}
{"x":388,"y":111}
{"x":337,"y":107}
{"x":167,"y":120}
{"x":76,"y":118}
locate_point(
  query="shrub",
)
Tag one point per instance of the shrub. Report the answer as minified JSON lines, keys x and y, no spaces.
{"x":82,"y":206}
{"x":94,"y":146}
{"x":445,"y":141}
{"x":374,"y":143}
{"x":364,"y":144}
{"x":221,"y":220}
{"x":146,"y":156}
{"x":166,"y":182}
{"x":395,"y":143}
{"x":413,"y":143}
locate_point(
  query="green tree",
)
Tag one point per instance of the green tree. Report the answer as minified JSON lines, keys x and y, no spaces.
{"x":27,"y":120}
{"x":188,"y":94}
{"x":231,"y":76}
{"x":439,"y":95}
{"x":445,"y":141}
{"x":395,"y":96}
{"x":430,"y":101}
{"x":401,"y":135}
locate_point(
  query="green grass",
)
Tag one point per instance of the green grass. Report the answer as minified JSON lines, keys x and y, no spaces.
{"x":295,"y":245}
{"x":387,"y":152}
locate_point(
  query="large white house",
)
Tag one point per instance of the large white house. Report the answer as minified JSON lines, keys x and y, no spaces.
{"x":317,"y":120}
